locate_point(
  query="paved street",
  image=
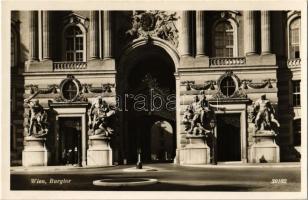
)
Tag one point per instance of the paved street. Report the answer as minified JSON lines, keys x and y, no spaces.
{"x":266,"y":177}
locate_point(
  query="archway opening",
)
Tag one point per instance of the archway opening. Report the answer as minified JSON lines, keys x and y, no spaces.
{"x":149,"y":101}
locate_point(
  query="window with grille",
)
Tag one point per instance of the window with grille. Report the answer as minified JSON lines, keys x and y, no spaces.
{"x":223,"y":40}
{"x":294,"y":40}
{"x":296,"y":93}
{"x":227,"y":86}
{"x":74,"y":44}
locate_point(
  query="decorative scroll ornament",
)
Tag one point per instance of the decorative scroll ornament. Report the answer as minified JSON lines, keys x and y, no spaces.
{"x":101,"y":118}
{"x":149,"y":24}
{"x":37,"y":125}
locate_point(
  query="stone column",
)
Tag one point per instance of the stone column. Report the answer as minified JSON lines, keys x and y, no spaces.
{"x":200,"y":34}
{"x":33,"y":42}
{"x":107,"y":42}
{"x":94,"y":33}
{"x":265,"y":32}
{"x":46,"y":35}
{"x":185,"y":34}
{"x":249,"y":33}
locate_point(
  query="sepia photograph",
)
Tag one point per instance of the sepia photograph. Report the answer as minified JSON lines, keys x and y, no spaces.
{"x":182,"y":100}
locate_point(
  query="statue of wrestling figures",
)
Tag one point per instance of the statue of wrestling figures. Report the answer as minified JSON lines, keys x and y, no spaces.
{"x":198,"y":115}
{"x":38,"y":119}
{"x":101,"y":118}
{"x":264,"y":116}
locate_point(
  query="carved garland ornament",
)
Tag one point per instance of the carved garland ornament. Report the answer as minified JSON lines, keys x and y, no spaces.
{"x":148,"y":24}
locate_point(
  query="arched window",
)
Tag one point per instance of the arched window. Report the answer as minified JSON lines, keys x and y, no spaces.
{"x":74,"y":44}
{"x":224,"y":40}
{"x":294,"y":38}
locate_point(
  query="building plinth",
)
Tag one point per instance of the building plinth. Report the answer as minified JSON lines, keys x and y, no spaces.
{"x":99,"y":152}
{"x":265,"y":149}
{"x":35,"y":152}
{"x":196,"y":152}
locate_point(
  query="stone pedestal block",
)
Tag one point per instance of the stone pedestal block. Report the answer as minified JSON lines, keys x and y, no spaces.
{"x":265,"y":149}
{"x":196,"y":152}
{"x":35,"y":152}
{"x":99,"y":152}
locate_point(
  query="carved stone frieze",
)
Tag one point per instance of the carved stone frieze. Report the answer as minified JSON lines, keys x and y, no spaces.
{"x":246,"y":84}
{"x":208,"y":85}
{"x":149,"y":24}
{"x":105,"y":88}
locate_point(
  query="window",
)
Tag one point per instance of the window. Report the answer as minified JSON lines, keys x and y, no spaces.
{"x":294,"y":38}
{"x":297,"y":132}
{"x":296,"y":93}
{"x":227,"y":86}
{"x":69,"y":90}
{"x":223,"y":40}
{"x":74,"y":44}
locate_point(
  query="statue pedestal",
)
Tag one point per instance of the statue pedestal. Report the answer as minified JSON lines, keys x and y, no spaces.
{"x":99,"y":152}
{"x":196,"y":152}
{"x":264,"y":149}
{"x":35,"y":152}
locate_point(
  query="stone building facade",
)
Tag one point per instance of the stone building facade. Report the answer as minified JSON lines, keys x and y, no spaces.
{"x":68,"y":59}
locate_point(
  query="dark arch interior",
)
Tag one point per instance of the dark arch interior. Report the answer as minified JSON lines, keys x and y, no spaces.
{"x":158,"y":64}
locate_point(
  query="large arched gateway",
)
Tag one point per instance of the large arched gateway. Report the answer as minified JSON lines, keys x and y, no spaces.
{"x":147,"y":102}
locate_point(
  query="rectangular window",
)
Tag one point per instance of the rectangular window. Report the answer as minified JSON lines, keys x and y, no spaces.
{"x":296,"y":93}
{"x":79,"y":56}
{"x":69,"y":56}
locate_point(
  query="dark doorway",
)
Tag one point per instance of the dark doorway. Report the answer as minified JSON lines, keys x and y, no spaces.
{"x":70,"y":141}
{"x":228,"y":137}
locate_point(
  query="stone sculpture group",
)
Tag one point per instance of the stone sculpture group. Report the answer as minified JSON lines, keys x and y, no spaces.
{"x":101,"y":118}
{"x":264,"y":115}
{"x":38,"y":125}
{"x":198,"y":116}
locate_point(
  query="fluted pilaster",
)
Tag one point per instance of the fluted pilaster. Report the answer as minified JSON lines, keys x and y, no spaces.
{"x":200,"y":33}
{"x":94,"y":35}
{"x":107,"y":44}
{"x":33,"y":40}
{"x":265,"y":32}
{"x":249,"y":33}
{"x":185,"y":49}
{"x":46,"y":35}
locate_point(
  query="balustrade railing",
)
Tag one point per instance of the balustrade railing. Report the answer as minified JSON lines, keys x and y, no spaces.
{"x":69,"y":66}
{"x":294,"y":62}
{"x":227,"y":61}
